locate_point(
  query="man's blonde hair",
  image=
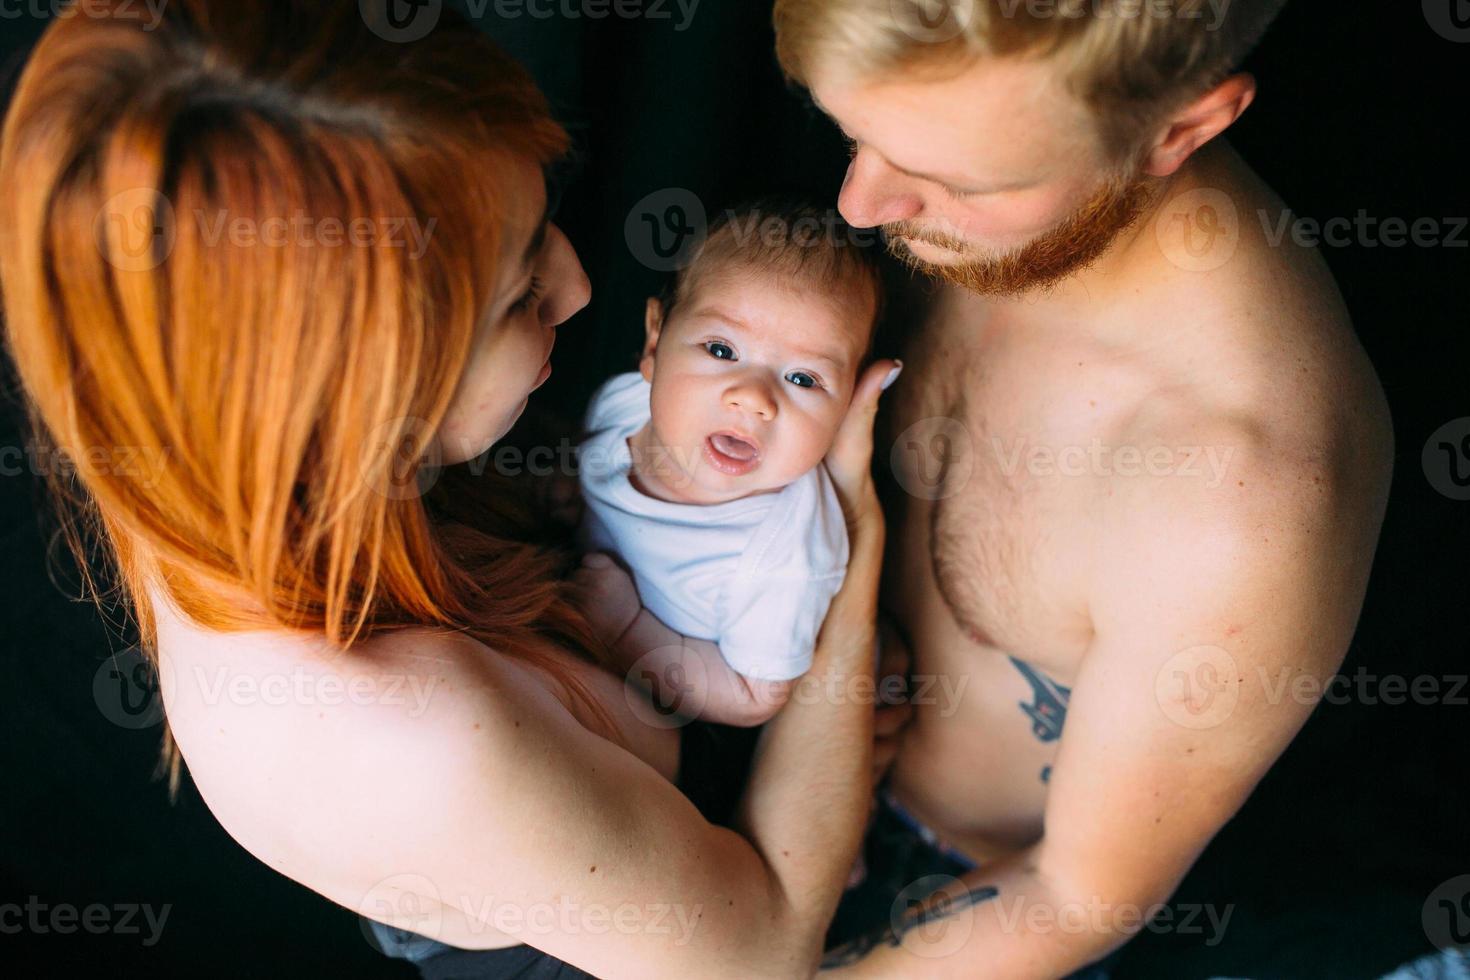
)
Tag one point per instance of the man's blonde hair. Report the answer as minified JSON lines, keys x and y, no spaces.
{"x":1130,"y":61}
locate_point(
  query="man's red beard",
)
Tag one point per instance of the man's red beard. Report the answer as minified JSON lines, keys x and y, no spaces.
{"x":1068,"y":248}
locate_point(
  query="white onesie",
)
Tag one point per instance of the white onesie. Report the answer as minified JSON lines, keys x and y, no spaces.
{"x":754,"y":575}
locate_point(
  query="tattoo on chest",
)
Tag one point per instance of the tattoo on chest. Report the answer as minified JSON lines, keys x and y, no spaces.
{"x":1048,"y":707}
{"x":918,"y":913}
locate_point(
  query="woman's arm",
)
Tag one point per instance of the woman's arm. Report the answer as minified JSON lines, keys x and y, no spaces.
{"x":499,"y":805}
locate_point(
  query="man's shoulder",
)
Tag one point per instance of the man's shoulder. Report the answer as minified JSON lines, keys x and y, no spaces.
{"x":1234,"y":482}
{"x":1268,"y":371}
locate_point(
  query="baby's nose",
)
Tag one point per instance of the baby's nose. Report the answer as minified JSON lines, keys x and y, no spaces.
{"x":753,"y":398}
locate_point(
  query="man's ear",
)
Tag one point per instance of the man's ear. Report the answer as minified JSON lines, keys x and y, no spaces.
{"x":1199,"y":122}
{"x":653,"y":322}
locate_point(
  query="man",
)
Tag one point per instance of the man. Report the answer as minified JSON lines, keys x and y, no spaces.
{"x":1140,"y":463}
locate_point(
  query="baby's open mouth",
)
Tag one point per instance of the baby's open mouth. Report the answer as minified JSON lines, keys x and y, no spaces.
{"x":731,"y":454}
{"x":734,"y":446}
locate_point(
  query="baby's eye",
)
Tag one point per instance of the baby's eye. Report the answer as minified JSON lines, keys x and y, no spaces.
{"x":801,"y":379}
{"x":716,"y":348}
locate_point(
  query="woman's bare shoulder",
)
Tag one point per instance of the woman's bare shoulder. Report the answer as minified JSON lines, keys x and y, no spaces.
{"x":274,"y":726}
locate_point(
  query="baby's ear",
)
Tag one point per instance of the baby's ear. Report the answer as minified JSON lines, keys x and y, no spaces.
{"x":653,"y":322}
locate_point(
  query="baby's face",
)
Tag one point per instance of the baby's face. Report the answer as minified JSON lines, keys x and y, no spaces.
{"x":751,"y":379}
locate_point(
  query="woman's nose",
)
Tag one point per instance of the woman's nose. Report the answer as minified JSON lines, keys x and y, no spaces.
{"x":752,"y":397}
{"x":567,"y":287}
{"x":874,"y":194}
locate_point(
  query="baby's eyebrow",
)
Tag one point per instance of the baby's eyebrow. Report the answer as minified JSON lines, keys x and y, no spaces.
{"x":832,"y":362}
{"x":837,"y":363}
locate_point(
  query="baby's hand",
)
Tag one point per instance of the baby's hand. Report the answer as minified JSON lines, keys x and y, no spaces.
{"x":607,"y":595}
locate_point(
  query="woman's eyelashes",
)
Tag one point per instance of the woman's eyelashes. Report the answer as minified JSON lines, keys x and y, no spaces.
{"x":528,"y":299}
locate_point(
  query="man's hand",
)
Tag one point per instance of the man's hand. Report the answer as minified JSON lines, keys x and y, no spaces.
{"x":607,"y":595}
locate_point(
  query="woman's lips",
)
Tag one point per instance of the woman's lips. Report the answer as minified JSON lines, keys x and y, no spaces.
{"x":541,"y":378}
{"x":731,"y":454}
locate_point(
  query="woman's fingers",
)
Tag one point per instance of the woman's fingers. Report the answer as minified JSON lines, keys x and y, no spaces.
{"x":851,"y":454}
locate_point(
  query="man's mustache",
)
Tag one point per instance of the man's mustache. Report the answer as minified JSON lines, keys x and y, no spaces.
{"x":913,"y":232}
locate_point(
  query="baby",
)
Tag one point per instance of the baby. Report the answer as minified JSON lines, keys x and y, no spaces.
{"x":702,"y":470}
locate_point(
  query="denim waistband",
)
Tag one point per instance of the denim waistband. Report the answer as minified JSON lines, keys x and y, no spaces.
{"x":925,"y":833}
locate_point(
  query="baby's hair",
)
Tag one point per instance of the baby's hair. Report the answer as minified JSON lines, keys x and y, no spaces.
{"x":793,"y":240}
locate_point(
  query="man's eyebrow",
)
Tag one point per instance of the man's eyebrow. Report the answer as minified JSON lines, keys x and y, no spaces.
{"x":960,"y":184}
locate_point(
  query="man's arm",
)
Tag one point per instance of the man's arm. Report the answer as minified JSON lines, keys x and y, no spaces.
{"x":1210,"y":606}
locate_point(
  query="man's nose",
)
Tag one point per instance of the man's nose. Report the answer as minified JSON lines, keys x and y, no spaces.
{"x":875,"y":194}
{"x":751,"y":396}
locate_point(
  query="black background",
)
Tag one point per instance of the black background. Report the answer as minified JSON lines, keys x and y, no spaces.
{"x":1329,"y":864}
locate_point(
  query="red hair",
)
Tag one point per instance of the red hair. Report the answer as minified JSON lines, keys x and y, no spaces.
{"x":279,"y":382}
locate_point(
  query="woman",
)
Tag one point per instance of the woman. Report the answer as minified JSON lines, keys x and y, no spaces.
{"x":277,"y":248}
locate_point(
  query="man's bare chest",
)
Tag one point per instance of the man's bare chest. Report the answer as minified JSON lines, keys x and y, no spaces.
{"x":993,"y":489}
